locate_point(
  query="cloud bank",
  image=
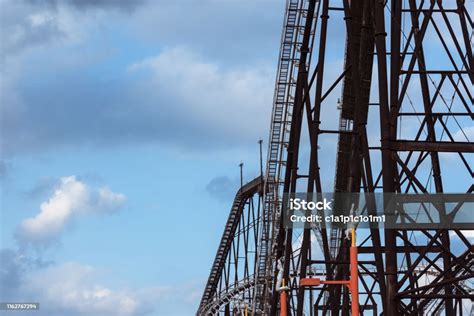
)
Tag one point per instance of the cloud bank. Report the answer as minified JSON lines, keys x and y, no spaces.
{"x":72,"y":288}
{"x":76,"y":289}
{"x":63,"y":70}
{"x":193,"y":104}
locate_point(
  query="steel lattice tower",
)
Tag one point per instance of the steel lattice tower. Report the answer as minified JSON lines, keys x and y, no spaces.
{"x":370,"y":96}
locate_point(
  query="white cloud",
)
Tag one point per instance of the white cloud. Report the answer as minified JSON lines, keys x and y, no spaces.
{"x":28,"y":24}
{"x":221,"y":94}
{"x":191,"y":104}
{"x":469,"y":234}
{"x":257,"y":38}
{"x":466,"y":132}
{"x":71,"y":199}
{"x":205,"y":96}
{"x":108,"y":200}
{"x":72,"y":288}
{"x":76,"y":289}
{"x":40,"y":19}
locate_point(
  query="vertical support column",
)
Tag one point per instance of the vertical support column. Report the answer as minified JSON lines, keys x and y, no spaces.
{"x":313,"y":176}
{"x":395,"y":60}
{"x":387,"y":131}
{"x":352,"y":284}
{"x":435,"y":164}
{"x":354,"y":281}
{"x":283,"y":299}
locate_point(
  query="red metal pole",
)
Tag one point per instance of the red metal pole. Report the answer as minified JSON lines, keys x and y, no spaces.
{"x":352,"y":284}
{"x":354,"y":281}
{"x":283,"y":296}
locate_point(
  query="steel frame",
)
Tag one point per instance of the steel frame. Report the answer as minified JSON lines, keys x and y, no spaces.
{"x":401,"y":115}
{"x":231,"y":281}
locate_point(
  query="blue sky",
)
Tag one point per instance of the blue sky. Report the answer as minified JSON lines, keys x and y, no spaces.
{"x":122,"y":127}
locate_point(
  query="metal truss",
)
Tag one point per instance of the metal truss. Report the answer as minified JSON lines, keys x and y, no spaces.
{"x":422,"y":109}
{"x":371,"y":96}
{"x":231,"y":281}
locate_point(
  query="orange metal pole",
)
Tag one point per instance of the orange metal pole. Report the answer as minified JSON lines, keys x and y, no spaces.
{"x":283,"y":306}
{"x":354,"y":282}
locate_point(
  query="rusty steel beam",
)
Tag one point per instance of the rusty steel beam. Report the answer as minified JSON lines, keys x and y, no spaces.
{"x":432,"y":146}
{"x":412,"y":92}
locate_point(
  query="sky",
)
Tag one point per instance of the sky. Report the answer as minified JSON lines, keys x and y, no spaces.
{"x":122,"y":127}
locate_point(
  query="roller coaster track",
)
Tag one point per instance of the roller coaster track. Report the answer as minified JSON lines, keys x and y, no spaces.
{"x":400,"y":112}
{"x":248,"y":190}
{"x":227,"y":295}
{"x":283,"y":103}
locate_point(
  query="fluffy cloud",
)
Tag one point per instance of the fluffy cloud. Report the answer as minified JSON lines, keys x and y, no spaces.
{"x":71,"y":199}
{"x":64,"y":72}
{"x":28,"y":24}
{"x":77,"y":289}
{"x":192,"y":104}
{"x":247,"y":31}
{"x":72,"y":287}
{"x":203,"y":99}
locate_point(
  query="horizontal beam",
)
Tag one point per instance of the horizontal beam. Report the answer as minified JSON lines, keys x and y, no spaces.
{"x":436,"y":296}
{"x":442,"y":72}
{"x":402,"y":249}
{"x":436,"y":114}
{"x":408,"y":145}
{"x":434,"y":285}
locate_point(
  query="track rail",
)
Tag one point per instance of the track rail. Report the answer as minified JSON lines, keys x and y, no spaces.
{"x":283,"y":103}
{"x":227,"y":295}
{"x":248,"y":190}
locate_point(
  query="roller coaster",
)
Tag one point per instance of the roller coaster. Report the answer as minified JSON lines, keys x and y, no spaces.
{"x":370,"y":96}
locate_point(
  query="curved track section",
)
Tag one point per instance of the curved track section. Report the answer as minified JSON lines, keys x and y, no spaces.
{"x":233,"y":294}
{"x":235,"y":258}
